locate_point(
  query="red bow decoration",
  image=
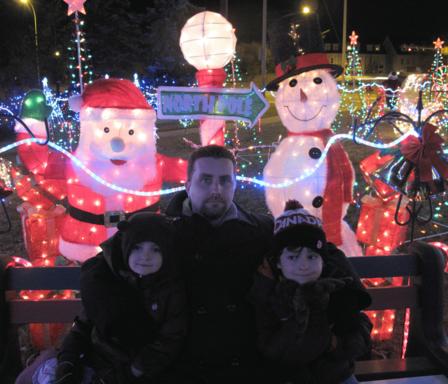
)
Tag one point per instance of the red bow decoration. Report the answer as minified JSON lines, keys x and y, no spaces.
{"x":422,"y":152}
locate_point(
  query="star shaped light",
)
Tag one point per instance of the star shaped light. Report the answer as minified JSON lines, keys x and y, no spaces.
{"x":353,"y":38}
{"x":75,"y":6}
{"x":438,"y":44}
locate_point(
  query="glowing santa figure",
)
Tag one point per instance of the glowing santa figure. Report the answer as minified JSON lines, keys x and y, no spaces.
{"x":118,"y":143}
{"x":307,"y":100}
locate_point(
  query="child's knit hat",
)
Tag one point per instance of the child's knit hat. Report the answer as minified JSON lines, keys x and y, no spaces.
{"x":144,"y":226}
{"x":296,"y":227}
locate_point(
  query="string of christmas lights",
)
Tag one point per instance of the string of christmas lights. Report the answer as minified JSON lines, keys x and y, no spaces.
{"x":283,"y":184}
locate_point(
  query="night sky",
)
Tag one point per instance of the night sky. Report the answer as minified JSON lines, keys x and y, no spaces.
{"x":403,"y":20}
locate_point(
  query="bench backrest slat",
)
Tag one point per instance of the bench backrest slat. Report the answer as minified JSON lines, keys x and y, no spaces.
{"x":64,"y":311}
{"x":386,"y":266}
{"x":393,"y":298}
{"x":44,"y":311}
{"x":58,"y":278}
{"x":54,"y":278}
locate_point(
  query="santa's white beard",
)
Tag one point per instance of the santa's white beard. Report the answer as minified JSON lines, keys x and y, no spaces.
{"x":134,"y":174}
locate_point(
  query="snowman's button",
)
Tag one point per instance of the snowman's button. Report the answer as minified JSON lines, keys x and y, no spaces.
{"x":318,"y":201}
{"x":315,"y":153}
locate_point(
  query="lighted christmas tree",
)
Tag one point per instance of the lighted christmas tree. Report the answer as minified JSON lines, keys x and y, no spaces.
{"x":234,"y":77}
{"x":353,"y":98}
{"x":77,"y":47}
{"x":437,"y":72}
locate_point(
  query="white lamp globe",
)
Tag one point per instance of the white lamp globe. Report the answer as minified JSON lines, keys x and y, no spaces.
{"x":207,"y":41}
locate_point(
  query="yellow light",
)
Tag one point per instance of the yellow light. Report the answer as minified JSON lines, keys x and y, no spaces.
{"x":306,"y":10}
{"x":57,"y":53}
{"x":24,"y":1}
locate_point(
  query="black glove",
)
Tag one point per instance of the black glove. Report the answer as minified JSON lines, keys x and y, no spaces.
{"x":317,"y":293}
{"x":349,"y":347}
{"x":326,"y":370}
{"x":68,"y":372}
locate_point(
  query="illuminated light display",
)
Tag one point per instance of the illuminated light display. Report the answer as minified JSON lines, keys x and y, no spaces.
{"x":355,"y":102}
{"x":208,"y":43}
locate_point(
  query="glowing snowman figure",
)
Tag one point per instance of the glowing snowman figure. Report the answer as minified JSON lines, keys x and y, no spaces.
{"x":307,"y":104}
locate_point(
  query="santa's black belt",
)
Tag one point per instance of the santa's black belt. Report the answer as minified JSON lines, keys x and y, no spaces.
{"x":109,"y":218}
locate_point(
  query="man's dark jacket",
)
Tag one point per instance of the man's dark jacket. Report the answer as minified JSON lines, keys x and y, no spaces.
{"x":218,"y":265}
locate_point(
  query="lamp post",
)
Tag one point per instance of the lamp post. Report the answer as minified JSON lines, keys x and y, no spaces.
{"x":344,"y":33}
{"x":208,"y":42}
{"x":263,"y":41}
{"x":36,"y":40}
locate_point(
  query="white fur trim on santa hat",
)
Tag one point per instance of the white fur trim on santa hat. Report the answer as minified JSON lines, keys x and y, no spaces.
{"x":102,"y":114}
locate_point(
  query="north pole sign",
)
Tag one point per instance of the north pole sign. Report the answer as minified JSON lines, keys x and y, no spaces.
{"x":211,"y":103}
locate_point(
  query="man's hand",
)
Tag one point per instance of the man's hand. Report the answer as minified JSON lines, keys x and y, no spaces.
{"x":67,"y":372}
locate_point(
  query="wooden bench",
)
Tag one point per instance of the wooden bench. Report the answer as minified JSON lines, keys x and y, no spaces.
{"x":427,"y":351}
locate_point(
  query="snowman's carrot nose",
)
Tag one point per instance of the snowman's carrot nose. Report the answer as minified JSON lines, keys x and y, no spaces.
{"x":303,"y":96}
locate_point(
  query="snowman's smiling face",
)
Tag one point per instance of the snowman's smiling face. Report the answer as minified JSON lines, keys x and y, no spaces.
{"x":308,"y":101}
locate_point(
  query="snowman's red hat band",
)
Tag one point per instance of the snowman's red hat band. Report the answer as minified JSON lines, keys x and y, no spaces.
{"x":302,"y":63}
{"x":114,"y":93}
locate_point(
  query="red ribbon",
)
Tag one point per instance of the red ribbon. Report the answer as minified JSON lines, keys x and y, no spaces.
{"x":423,"y":153}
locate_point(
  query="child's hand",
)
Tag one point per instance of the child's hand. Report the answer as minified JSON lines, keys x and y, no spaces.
{"x":328,"y":284}
{"x":317,"y":293}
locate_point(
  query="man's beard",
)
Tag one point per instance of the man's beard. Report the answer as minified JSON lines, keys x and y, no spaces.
{"x":213,"y":208}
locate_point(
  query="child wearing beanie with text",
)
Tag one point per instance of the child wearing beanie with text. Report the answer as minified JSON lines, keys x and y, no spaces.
{"x":134,"y":311}
{"x":308,"y":301}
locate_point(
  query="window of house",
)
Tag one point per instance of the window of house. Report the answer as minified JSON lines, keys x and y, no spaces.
{"x":336,"y":47}
{"x":327,"y":47}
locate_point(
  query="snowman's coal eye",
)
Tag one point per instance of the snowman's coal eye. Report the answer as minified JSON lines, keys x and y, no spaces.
{"x":131,"y":132}
{"x":106,"y":129}
{"x":293,"y":83}
{"x":317,"y":80}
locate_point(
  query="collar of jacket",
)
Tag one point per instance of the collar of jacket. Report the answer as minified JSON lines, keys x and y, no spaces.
{"x":180,"y":206}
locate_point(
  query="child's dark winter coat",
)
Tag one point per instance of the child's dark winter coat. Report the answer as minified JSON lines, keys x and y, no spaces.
{"x":128,"y":320}
{"x":313,"y":332}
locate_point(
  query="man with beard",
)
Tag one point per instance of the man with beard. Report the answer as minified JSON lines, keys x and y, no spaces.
{"x":220,"y":245}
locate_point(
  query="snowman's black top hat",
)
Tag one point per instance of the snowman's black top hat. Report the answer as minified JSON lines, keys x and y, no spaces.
{"x":297,"y":46}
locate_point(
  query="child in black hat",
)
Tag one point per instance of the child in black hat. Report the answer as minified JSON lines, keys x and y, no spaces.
{"x":308,"y":301}
{"x":134,"y":311}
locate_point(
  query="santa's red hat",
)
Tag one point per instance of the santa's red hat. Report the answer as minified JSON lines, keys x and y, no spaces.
{"x":110,"y":93}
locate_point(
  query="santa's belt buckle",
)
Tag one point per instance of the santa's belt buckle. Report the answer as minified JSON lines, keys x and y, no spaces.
{"x":112,"y":218}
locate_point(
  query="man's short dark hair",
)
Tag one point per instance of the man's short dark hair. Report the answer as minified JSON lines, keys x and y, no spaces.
{"x":215,"y":151}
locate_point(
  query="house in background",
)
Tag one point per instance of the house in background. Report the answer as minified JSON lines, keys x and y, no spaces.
{"x":379,"y":59}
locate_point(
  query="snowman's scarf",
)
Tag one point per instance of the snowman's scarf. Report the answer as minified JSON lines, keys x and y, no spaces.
{"x":338,"y":189}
